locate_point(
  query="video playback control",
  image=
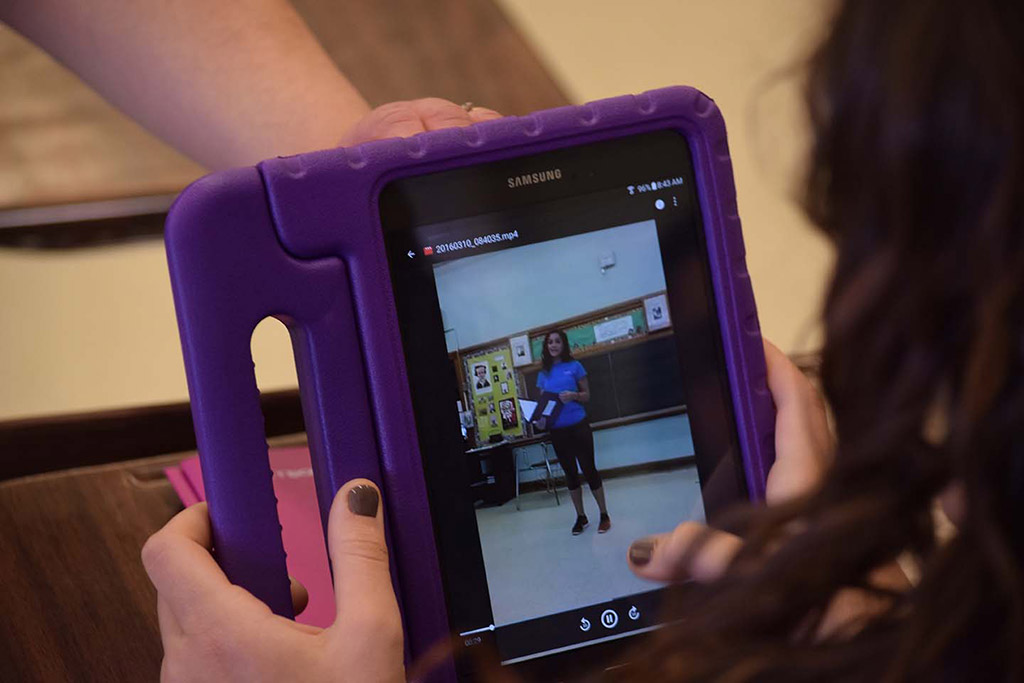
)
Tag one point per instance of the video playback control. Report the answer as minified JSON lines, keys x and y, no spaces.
{"x":565,"y":630}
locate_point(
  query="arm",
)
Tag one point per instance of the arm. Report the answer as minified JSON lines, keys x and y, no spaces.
{"x":582,"y":395}
{"x":226,"y":83}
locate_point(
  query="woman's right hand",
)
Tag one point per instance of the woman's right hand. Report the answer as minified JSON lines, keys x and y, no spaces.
{"x":213,"y":630}
{"x":803,"y":451}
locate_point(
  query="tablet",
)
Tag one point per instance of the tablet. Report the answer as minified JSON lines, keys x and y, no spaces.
{"x":417,"y":275}
{"x":601,"y":244}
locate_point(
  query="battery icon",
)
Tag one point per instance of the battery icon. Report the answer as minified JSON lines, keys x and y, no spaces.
{"x":428,"y":251}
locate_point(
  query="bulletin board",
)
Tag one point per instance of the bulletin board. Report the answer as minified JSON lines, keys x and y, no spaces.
{"x":588,"y":334}
{"x":491,"y":382}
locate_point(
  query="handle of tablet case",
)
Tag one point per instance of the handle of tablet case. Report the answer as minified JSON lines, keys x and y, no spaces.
{"x":229,"y":273}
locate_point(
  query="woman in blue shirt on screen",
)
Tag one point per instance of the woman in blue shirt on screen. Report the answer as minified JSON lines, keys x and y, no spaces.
{"x":570,"y":430}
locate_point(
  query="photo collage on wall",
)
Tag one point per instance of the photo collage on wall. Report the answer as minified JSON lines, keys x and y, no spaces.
{"x":491,"y":380}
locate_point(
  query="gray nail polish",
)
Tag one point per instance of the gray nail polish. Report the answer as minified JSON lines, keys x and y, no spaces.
{"x":641,"y":551}
{"x":363,"y":500}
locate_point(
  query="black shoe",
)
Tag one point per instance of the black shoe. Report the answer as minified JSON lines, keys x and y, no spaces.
{"x":580,"y":525}
{"x":605,"y":524}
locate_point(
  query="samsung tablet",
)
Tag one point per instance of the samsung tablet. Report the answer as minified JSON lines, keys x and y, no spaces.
{"x":601,"y":244}
{"x":493,"y":323}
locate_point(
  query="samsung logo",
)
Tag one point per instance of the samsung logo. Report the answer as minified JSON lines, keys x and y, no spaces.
{"x":535,"y":178}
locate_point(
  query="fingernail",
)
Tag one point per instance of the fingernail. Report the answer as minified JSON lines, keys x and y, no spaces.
{"x":363,"y":500}
{"x":641,"y":551}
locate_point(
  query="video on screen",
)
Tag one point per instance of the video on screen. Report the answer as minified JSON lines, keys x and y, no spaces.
{"x":573,"y":411}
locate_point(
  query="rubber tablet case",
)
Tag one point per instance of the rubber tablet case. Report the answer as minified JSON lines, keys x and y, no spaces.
{"x":299,"y":239}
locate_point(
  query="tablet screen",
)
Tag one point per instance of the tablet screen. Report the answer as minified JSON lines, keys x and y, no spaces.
{"x":563,"y":355}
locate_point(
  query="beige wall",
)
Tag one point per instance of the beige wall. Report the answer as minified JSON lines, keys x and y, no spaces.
{"x":95,"y":329}
{"x":746,"y":55}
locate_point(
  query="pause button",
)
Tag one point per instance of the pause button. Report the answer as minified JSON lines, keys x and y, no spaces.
{"x":609,"y":618}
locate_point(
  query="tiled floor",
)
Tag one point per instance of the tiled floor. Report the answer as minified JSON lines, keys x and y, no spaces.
{"x":536,"y":567}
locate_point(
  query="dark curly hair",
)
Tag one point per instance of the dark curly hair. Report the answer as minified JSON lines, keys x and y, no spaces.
{"x":917,"y":175}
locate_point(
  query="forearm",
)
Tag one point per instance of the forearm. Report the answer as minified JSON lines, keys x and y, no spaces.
{"x":583,"y":393}
{"x":227,"y":83}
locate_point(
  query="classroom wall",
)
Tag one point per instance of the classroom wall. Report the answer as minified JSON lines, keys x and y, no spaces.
{"x":634,"y":444}
{"x":506,"y":292}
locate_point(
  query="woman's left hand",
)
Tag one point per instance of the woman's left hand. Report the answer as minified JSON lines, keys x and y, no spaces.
{"x":403,"y":119}
{"x":568,"y":396}
{"x":803,"y":451}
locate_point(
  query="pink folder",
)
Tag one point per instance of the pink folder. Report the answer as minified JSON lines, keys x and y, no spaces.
{"x":181,"y":485}
{"x":300,"y":524}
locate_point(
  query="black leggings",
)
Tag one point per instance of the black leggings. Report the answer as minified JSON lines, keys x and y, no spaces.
{"x":576,"y":444}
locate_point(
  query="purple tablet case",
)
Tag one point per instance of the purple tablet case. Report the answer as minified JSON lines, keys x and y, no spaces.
{"x":299,"y":239}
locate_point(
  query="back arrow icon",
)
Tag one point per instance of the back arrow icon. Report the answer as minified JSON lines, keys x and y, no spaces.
{"x":410,"y":253}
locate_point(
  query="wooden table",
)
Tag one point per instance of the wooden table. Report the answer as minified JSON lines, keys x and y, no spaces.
{"x":76,"y":604}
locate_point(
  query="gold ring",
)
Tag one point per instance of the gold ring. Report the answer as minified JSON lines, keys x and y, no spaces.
{"x":467,"y":106}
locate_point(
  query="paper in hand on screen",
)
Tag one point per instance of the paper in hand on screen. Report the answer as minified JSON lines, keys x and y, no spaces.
{"x":549,"y":407}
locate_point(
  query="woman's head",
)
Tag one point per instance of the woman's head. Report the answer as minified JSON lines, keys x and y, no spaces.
{"x":917,"y":175}
{"x":555,"y":348}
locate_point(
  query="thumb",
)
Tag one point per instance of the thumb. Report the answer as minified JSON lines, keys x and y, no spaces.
{"x":359,"y":555}
{"x":691,"y":551}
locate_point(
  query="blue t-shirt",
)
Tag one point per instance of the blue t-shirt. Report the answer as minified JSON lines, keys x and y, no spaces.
{"x":564,"y":376}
